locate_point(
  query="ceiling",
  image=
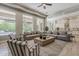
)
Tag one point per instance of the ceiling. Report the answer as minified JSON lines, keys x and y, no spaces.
{"x":55,"y":9}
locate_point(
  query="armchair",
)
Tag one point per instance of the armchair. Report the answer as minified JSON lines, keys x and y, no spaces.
{"x":21,"y":48}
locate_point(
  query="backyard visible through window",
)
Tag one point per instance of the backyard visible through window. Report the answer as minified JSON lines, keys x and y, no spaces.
{"x":7,"y":26}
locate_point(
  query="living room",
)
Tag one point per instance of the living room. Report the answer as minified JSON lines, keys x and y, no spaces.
{"x":39,"y":29}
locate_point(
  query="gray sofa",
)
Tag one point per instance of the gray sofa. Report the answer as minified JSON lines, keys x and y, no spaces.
{"x":31,"y":35}
{"x":65,"y":37}
{"x":62,"y":36}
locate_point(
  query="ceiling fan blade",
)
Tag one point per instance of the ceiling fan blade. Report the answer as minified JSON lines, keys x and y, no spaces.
{"x":48,"y":4}
{"x":40,"y":5}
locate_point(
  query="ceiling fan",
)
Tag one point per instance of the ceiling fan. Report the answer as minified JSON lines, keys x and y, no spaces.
{"x":45,"y":4}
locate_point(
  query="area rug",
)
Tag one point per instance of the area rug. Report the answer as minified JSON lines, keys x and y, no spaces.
{"x":52,"y":49}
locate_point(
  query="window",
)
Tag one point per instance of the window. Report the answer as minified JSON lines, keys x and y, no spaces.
{"x":7,"y":22}
{"x":40,"y":23}
{"x":7,"y":26}
{"x":27,"y":23}
{"x":51,"y":24}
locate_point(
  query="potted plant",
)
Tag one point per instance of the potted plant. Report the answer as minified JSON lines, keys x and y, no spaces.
{"x":46,"y":29}
{"x":57,"y":30}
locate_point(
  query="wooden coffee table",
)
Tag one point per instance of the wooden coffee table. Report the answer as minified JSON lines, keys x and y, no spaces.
{"x":44,"y":42}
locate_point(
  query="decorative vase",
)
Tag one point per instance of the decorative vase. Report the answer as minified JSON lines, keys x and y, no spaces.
{"x":44,"y":37}
{"x":40,"y":36}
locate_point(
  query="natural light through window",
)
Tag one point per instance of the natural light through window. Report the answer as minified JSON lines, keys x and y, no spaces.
{"x":7,"y":22}
{"x":27,"y":23}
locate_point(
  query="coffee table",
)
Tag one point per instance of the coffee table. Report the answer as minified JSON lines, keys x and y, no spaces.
{"x":44,"y":42}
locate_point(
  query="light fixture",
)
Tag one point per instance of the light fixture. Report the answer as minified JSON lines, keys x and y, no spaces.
{"x":44,"y":5}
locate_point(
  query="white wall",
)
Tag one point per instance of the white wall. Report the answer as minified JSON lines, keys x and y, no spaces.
{"x":61,"y":20}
